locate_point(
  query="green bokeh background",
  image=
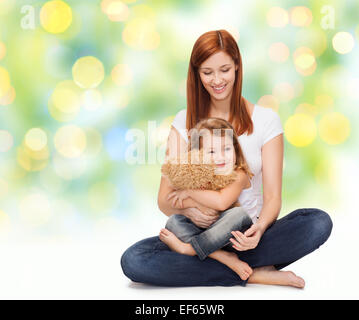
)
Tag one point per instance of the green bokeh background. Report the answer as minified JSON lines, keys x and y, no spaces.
{"x":101,"y":188}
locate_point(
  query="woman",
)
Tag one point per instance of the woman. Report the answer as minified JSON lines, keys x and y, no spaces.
{"x":214,"y":89}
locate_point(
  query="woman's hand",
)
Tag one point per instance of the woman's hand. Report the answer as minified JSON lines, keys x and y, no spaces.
{"x":178,"y":195}
{"x":199,"y":218}
{"x":248,"y":240}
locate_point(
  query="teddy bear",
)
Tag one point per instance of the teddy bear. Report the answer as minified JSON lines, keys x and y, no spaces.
{"x":189,"y":171}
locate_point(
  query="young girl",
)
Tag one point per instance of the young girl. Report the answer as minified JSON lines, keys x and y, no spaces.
{"x":220,"y":146}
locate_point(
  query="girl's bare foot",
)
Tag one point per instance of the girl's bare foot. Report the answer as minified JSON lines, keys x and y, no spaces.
{"x":269,"y":275}
{"x":238,"y":266}
{"x":176,"y":244}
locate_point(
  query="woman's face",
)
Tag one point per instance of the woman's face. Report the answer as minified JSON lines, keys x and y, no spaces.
{"x":219,"y":150}
{"x":217,"y":74}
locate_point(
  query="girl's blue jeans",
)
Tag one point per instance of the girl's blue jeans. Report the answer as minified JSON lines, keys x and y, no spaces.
{"x":206,"y":241}
{"x":285,"y":241}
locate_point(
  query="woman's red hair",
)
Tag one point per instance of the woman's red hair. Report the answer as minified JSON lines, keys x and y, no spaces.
{"x":198,"y":98}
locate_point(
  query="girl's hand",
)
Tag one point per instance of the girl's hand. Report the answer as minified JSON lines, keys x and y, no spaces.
{"x":207,"y":211}
{"x":248,"y":240}
{"x":178,"y":195}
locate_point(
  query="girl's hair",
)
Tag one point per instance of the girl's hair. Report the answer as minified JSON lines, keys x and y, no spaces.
{"x":198,"y":98}
{"x":217,"y":126}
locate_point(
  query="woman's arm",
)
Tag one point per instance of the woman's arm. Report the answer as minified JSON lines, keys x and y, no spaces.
{"x":164,"y":205}
{"x":175,"y":145}
{"x":272,"y":171}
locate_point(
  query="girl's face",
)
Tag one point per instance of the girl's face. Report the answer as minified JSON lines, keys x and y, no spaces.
{"x":217,"y":74}
{"x":219,"y":150}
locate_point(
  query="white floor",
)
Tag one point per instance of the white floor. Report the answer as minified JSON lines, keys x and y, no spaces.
{"x":91,"y":270}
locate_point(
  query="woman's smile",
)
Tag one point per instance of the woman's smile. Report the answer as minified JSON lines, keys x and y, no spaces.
{"x":219,"y":89}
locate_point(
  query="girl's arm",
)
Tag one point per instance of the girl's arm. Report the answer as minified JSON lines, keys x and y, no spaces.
{"x":223,"y":199}
{"x":191,"y":203}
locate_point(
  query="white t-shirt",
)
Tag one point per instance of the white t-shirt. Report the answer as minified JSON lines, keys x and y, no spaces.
{"x":266,"y":126}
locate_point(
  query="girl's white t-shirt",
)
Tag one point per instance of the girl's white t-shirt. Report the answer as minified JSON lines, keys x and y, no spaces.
{"x":266,"y":126}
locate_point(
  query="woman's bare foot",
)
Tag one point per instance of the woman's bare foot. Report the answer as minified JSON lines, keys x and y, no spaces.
{"x":176,"y":244}
{"x":238,"y":266}
{"x":270,"y":275}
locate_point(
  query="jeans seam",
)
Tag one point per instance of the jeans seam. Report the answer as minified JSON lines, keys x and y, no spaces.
{"x":200,"y":253}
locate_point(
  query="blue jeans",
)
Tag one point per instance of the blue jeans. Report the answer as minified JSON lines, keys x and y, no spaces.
{"x":285,"y":241}
{"x":206,"y":241}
